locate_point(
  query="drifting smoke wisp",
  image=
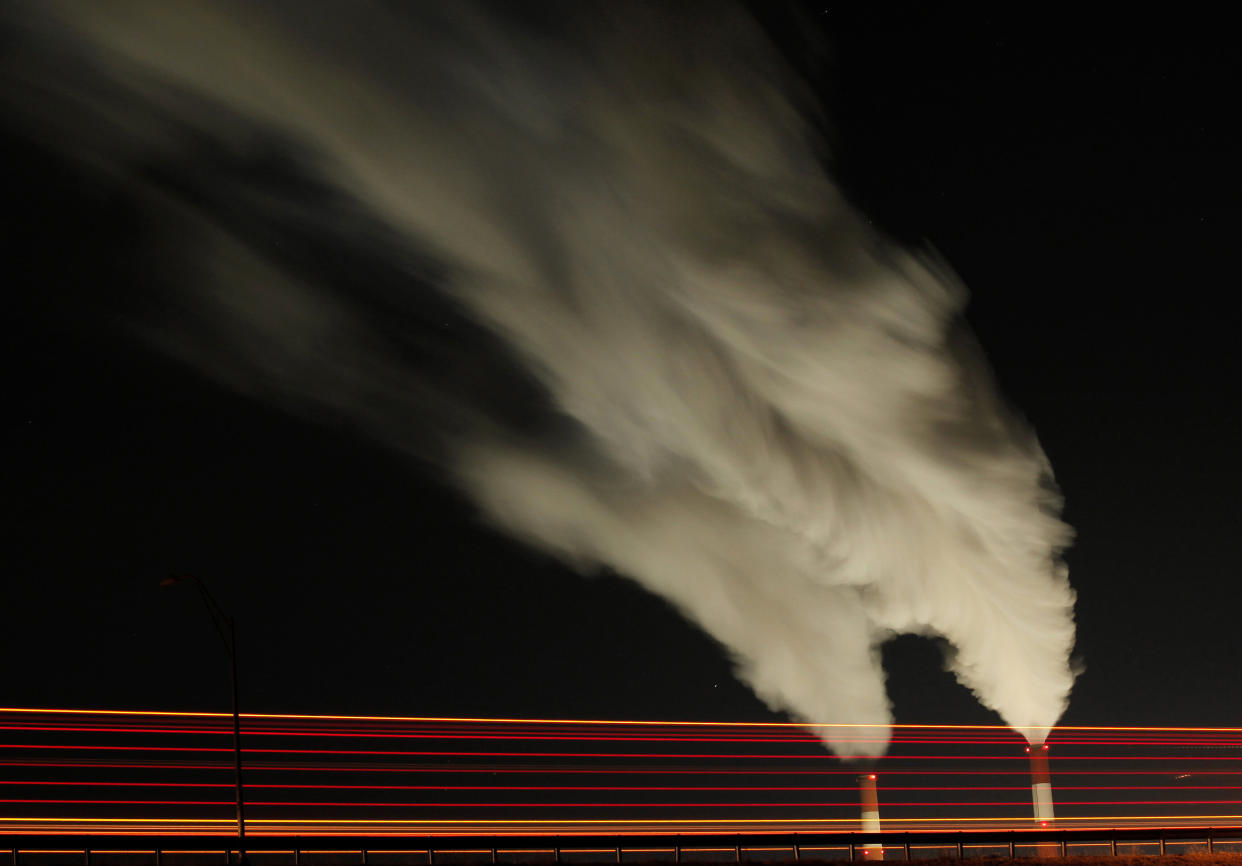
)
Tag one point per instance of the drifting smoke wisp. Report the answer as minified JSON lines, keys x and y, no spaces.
{"x":773,"y":420}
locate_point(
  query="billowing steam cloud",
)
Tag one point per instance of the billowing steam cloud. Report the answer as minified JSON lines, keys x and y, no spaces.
{"x":769,"y":416}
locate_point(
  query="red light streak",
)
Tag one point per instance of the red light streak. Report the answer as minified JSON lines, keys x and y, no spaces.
{"x":604,"y":805}
{"x":608,"y":771}
{"x":644,"y":755}
{"x":258,"y":786}
{"x":44,"y":746}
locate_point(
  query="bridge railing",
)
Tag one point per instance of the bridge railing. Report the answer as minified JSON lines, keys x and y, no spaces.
{"x":118,"y":850}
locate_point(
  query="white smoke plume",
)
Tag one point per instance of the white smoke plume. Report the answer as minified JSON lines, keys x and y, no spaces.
{"x":777,"y":422}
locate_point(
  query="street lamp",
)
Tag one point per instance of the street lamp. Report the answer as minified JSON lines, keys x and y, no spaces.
{"x":224,"y":627}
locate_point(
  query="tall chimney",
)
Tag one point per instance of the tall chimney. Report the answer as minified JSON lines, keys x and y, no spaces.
{"x":1041,"y":785}
{"x":870,"y":817}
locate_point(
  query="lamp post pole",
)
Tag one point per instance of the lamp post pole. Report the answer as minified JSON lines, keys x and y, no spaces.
{"x":224,"y":627}
{"x":237,"y":754}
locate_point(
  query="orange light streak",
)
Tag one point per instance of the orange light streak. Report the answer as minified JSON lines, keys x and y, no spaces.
{"x":481,"y":720}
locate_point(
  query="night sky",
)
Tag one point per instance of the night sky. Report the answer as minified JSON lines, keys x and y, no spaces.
{"x":1080,"y":178}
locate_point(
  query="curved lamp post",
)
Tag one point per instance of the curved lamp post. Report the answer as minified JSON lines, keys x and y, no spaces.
{"x":224,"y":627}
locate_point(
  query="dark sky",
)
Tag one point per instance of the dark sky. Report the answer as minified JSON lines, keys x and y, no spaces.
{"x":1080,"y":178}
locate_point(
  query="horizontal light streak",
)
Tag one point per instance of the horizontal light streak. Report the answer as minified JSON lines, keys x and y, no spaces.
{"x":392,"y":804}
{"x":525,"y":737}
{"x":505,"y":822}
{"x":452,"y":753}
{"x":482,"y":720}
{"x":255,"y":767}
{"x":225,"y":728}
{"x":328,"y":787}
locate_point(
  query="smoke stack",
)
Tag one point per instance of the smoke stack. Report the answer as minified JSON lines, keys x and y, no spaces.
{"x":1041,"y":784}
{"x":870,"y":816}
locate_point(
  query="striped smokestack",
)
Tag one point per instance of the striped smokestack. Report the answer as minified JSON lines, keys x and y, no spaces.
{"x":1041,"y":784}
{"x":870,"y":815}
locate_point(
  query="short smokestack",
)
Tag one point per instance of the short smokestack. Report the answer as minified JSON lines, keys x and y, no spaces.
{"x":870,"y":815}
{"x":1041,"y":784}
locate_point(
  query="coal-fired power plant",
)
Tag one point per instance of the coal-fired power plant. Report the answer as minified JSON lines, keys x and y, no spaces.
{"x":1041,"y":784}
{"x":870,"y":814}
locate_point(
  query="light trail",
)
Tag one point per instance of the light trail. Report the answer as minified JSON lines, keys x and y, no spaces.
{"x":610,"y":755}
{"x":361,"y":734}
{"x":570,"y":827}
{"x":605,"y":805}
{"x":598,"y":771}
{"x":104,"y":771}
{"x":472,"y":720}
{"x":621,"y":787}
